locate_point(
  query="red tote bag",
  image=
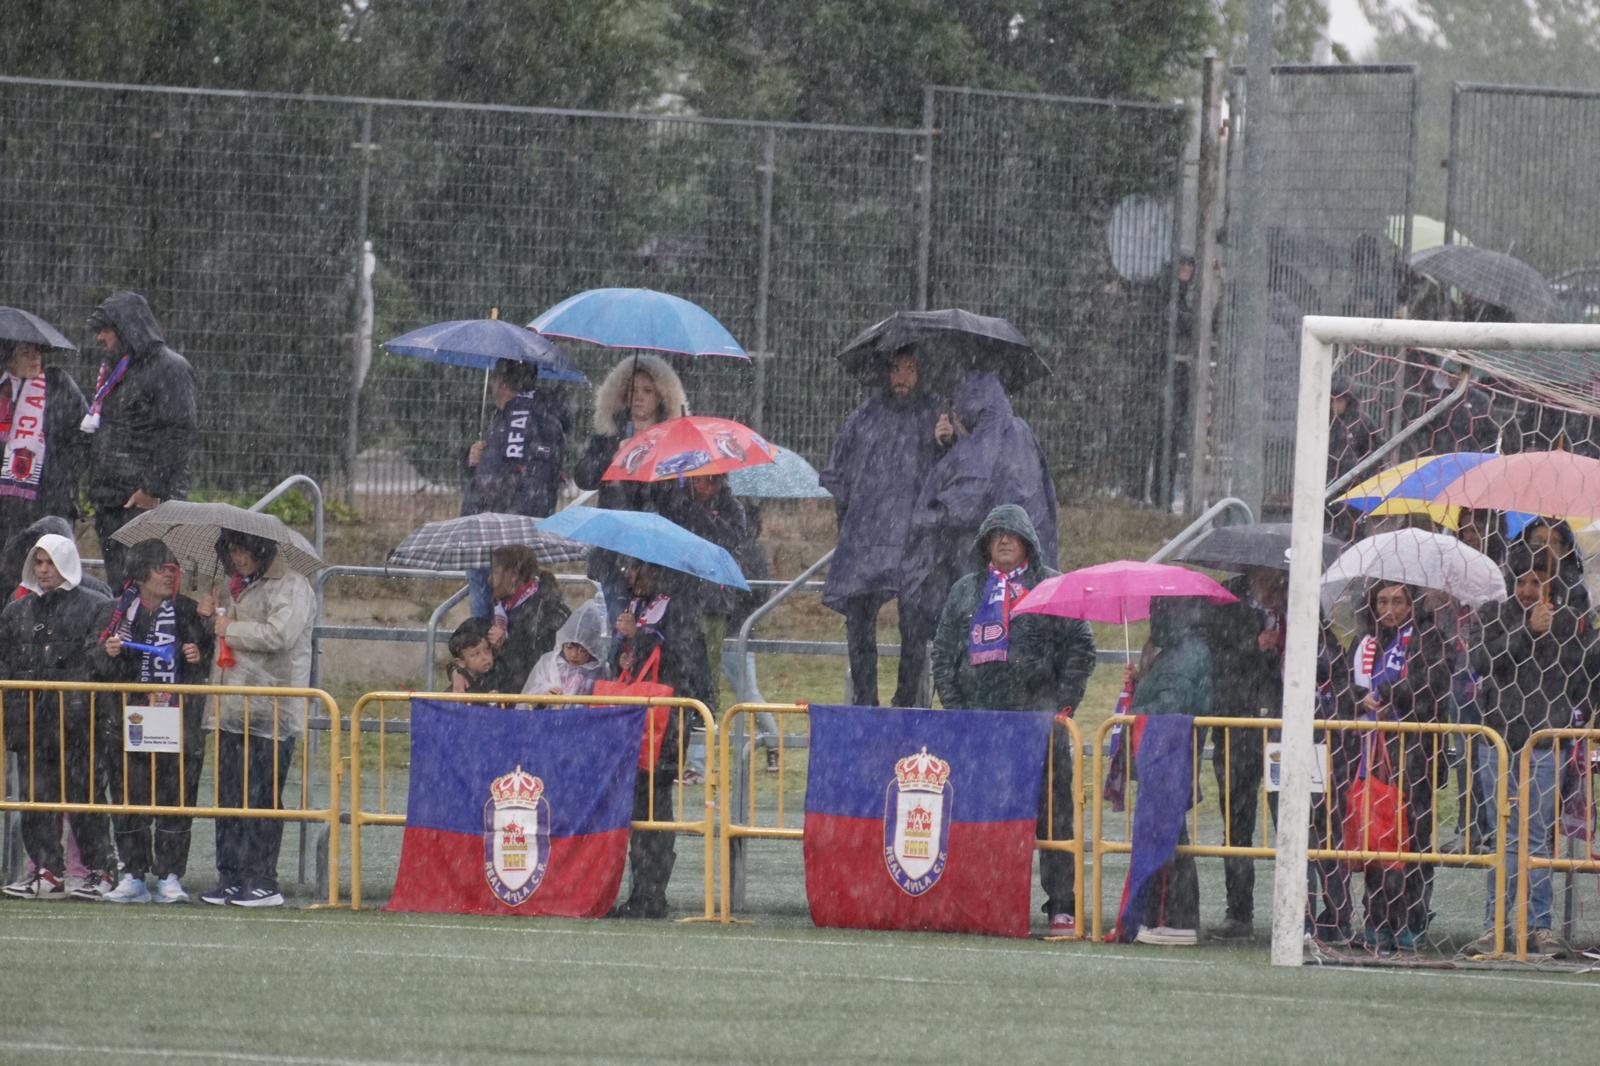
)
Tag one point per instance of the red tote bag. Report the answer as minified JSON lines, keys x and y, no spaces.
{"x":646,"y":682}
{"x":1374,"y":819}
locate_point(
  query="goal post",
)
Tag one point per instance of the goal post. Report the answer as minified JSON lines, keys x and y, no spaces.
{"x":1322,"y":339}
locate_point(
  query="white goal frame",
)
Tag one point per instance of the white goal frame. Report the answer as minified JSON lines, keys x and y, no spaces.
{"x":1318,"y":337}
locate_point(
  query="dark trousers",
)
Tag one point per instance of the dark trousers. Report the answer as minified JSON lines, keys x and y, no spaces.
{"x":651,"y":855}
{"x":247,"y":848}
{"x":1236,"y":759}
{"x":155,"y":844}
{"x":861,"y":635}
{"x":1399,"y":896}
{"x":1057,"y":874}
{"x":1173,"y":898}
{"x":57,"y":776}
{"x":107,"y":520}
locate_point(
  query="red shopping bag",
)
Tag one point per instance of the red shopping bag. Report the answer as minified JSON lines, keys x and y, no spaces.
{"x":1374,"y":819}
{"x":646,"y":682}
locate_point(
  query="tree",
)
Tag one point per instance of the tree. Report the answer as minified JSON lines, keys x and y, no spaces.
{"x":1297,"y":27}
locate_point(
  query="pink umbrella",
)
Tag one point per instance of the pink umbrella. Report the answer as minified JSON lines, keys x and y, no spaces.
{"x":1543,"y":483}
{"x":1117,"y":592}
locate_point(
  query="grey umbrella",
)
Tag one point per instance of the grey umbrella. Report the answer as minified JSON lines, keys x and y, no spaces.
{"x":951,"y":338}
{"x":190,"y":531}
{"x":1490,"y":277}
{"x":466,"y":542}
{"x":25,"y":327}
{"x":1239,"y":548}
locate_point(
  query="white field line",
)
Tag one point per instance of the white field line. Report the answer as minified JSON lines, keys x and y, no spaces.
{"x":208,"y":1055}
{"x":1405,"y":1006}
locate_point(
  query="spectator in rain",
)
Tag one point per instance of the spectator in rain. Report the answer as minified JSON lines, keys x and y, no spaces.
{"x":17,"y":550}
{"x":42,"y":450}
{"x":581,"y":657}
{"x":1246,"y":640}
{"x":1351,"y":438}
{"x":1468,"y":426}
{"x":528,"y":610}
{"x":267,"y":625}
{"x":994,"y":459}
{"x":655,"y":619}
{"x":875,"y":469}
{"x":1554,"y":539}
{"x":151,"y":611}
{"x":471,"y":657}
{"x":641,"y":391}
{"x":1175,"y":677}
{"x":516,"y":467}
{"x":1460,"y":627}
{"x":983,"y":658}
{"x":1539,"y":661}
{"x":1400,"y":673}
{"x":143,"y":421}
{"x":45,"y":636}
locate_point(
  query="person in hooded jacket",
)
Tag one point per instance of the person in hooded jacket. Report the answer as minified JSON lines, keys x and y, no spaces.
{"x":985,"y":658}
{"x":42,"y":450}
{"x":877,"y":465}
{"x":18,"y":549}
{"x":143,"y":422}
{"x":641,"y":391}
{"x":528,"y":610}
{"x":993,"y":460}
{"x":516,"y":467}
{"x":45,"y":636}
{"x":151,"y":611}
{"x":266,"y":619}
{"x":581,"y":657}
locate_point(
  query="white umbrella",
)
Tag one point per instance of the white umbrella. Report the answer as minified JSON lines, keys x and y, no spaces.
{"x":1411,"y":557}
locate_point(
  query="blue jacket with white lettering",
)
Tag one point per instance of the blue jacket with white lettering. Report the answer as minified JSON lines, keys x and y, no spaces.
{"x":520,"y":471}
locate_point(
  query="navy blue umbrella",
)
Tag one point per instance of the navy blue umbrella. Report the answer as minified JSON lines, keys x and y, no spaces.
{"x":481,"y":342}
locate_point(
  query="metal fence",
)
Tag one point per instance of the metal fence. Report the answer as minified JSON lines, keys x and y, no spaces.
{"x":244,"y":217}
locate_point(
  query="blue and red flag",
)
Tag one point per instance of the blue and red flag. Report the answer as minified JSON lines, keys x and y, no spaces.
{"x":923,"y":820}
{"x":1163,"y":764}
{"x":517,"y":811}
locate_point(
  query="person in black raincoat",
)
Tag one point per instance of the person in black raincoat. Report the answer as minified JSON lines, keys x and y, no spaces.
{"x":875,"y":470}
{"x":641,"y":391}
{"x":14,"y":555}
{"x":994,"y":459}
{"x":516,"y":467}
{"x":143,"y":420}
{"x":657,"y":618}
{"x":1038,"y":663}
{"x":41,"y":460}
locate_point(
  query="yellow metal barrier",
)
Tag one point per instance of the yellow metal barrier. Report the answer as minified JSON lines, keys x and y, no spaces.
{"x":385,"y":726}
{"x":1434,"y":732}
{"x":1527,"y":862}
{"x":749,"y":824}
{"x":100,"y":732}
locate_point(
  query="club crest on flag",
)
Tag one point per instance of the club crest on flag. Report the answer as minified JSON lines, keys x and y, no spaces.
{"x":516,"y":836}
{"x":916,"y":822}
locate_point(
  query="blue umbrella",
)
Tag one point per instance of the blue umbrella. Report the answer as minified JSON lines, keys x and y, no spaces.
{"x":787,"y":477}
{"x":649,"y":537}
{"x":638,"y":318}
{"x":481,"y":342}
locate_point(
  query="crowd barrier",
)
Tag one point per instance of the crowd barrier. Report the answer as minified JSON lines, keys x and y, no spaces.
{"x":388,"y":715}
{"x":1572,"y":816}
{"x":742,"y":815}
{"x":31,"y":710}
{"x":1430,"y":736}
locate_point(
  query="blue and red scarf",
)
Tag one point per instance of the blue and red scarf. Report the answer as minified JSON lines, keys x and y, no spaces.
{"x":989,"y":639}
{"x":103,"y":385}
{"x":153,"y":669}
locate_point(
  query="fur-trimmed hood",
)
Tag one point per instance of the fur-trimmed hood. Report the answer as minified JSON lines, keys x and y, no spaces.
{"x":611,"y":398}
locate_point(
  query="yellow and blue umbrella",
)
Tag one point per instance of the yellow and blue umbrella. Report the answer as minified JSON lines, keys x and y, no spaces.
{"x":1410,"y":487}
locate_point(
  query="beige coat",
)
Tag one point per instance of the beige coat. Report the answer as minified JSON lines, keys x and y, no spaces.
{"x":269,"y":630}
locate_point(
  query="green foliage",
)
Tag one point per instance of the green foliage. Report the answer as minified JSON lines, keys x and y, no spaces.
{"x":292,"y":508}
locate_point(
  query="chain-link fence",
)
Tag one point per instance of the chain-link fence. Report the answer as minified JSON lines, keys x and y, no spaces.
{"x":244,"y":217}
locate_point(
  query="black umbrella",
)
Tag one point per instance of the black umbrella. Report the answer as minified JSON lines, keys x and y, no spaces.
{"x":953,"y":339}
{"x":1239,"y":548}
{"x":1490,"y":277}
{"x":24,"y":327}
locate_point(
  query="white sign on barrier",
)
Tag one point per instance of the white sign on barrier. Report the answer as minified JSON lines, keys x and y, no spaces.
{"x":152,"y":729}
{"x":1275,"y":766}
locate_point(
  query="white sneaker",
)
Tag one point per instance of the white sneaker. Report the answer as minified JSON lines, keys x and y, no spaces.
{"x":41,"y":884}
{"x":1166,"y":937}
{"x":90,"y":888}
{"x":170,"y":890}
{"x":130,"y":889}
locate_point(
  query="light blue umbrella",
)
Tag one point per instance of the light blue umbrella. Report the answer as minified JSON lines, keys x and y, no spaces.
{"x":649,"y":537}
{"x":481,"y":342}
{"x":639,"y":318}
{"x":787,"y":477}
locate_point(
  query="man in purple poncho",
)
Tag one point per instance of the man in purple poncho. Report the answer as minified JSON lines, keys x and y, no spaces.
{"x":877,"y":466}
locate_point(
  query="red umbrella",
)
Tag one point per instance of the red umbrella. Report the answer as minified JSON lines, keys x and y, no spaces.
{"x":1117,"y":592}
{"x":691,"y":446}
{"x":1543,"y":483}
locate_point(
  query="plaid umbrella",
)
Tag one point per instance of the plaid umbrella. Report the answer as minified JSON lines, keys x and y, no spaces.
{"x":1492,"y":277}
{"x":467,"y":542}
{"x":190,"y":531}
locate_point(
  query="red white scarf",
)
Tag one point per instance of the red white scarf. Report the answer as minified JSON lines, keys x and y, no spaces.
{"x":504,"y":609}
{"x":22,"y":466}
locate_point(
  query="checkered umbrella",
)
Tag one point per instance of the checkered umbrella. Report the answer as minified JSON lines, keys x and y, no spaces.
{"x":190,"y":532}
{"x":467,"y":542}
{"x":1491,"y":277}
